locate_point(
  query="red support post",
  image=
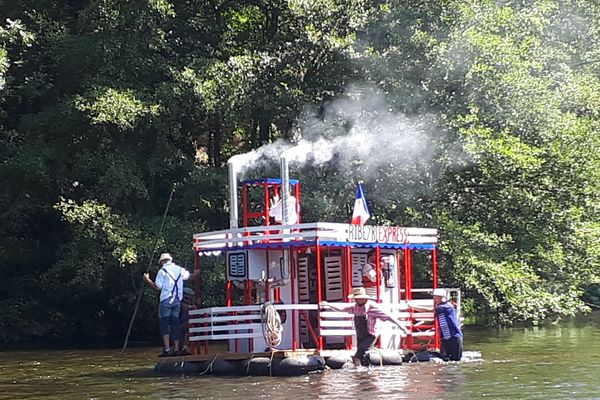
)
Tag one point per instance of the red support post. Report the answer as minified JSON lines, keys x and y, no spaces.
{"x":248,"y":301}
{"x":229,"y":303}
{"x":298,"y":202}
{"x":437,"y":341}
{"x":245,"y":204}
{"x":435,"y":266}
{"x":348,"y":275}
{"x":267,"y":286}
{"x":195,"y":347}
{"x":311,"y":331}
{"x":378,"y":272}
{"x":266,"y":200}
{"x":408,"y":294}
{"x":228,"y":289}
{"x":206,"y":340}
{"x":293,"y":255}
{"x":319,"y":294}
{"x":398,"y":275}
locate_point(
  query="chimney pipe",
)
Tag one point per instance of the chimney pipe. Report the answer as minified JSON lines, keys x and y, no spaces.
{"x":285,"y":189}
{"x":285,"y":215}
{"x":233,"y":193}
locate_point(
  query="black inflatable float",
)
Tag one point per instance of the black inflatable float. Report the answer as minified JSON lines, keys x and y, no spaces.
{"x":293,"y":366}
{"x":257,"y":366}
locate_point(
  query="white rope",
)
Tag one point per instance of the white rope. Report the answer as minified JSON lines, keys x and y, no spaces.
{"x":271,"y":325}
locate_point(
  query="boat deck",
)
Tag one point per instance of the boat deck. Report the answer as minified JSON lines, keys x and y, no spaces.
{"x":268,"y":354}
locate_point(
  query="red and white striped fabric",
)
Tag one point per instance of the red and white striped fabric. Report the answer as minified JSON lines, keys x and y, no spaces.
{"x":361,"y":214}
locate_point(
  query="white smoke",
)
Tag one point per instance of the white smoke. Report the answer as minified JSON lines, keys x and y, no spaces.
{"x":360,"y":127}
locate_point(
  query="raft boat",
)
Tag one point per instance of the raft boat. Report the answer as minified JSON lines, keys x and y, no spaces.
{"x":279,"y":269}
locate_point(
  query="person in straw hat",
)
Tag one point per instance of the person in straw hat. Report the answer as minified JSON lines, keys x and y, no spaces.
{"x":367,"y":321}
{"x":169,"y":282}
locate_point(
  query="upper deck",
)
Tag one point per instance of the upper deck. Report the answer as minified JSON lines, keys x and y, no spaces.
{"x":322,"y":233}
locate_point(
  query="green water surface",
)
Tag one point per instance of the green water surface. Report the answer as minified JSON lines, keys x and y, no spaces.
{"x":559,"y":361}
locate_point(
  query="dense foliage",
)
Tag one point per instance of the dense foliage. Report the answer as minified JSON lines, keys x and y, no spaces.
{"x":106,"y":104}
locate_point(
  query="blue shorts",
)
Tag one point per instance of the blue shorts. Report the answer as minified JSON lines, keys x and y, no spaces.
{"x":169,"y":310}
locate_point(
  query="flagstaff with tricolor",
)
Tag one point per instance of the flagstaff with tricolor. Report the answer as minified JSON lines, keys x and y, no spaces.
{"x":361,"y":214}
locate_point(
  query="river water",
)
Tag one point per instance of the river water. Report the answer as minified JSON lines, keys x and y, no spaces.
{"x":560,"y":361}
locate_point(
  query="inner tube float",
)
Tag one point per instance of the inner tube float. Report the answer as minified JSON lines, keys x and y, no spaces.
{"x":257,"y":366}
{"x":382,"y":357}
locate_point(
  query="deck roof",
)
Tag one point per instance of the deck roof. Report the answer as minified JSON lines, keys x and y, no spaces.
{"x":321,"y":233}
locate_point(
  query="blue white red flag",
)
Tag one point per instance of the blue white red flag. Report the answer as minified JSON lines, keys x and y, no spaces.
{"x":361,"y":214}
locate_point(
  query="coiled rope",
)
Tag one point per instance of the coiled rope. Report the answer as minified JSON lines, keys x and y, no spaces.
{"x":271,"y":325}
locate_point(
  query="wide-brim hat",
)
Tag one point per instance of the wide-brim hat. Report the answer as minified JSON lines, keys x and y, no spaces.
{"x":359,"y":293}
{"x":440,"y":292}
{"x":165,"y":257}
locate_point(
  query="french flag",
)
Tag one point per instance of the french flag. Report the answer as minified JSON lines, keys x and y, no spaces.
{"x":361,"y":214}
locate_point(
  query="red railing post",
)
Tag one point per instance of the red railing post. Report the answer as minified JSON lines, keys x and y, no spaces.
{"x":293,"y":255}
{"x":319,"y":294}
{"x":348,"y":285}
{"x":378,"y":272}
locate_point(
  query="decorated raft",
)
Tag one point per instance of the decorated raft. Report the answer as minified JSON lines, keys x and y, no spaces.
{"x":272,"y":258}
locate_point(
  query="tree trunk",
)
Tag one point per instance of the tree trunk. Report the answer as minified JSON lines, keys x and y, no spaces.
{"x":264,"y":127}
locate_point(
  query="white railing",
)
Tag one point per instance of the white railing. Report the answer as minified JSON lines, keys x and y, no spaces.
{"x":238,"y":322}
{"x":337,"y":323}
{"x":323,"y":231}
{"x":244,"y":322}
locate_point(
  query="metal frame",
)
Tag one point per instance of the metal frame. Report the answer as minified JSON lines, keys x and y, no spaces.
{"x":218,"y":323}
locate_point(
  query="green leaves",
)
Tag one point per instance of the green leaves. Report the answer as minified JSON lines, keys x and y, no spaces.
{"x":105,"y":104}
{"x":118,"y":108}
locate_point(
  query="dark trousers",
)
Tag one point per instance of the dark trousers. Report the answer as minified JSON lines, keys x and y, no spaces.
{"x":364,"y":340}
{"x":452,"y":349}
{"x":363,"y":344}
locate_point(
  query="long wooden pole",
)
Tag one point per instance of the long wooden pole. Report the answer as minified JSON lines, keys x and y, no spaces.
{"x":139,"y":295}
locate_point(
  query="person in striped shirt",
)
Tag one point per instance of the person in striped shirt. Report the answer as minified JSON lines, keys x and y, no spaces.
{"x":368,"y":318}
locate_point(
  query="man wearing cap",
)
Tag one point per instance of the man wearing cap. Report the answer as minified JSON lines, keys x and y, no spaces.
{"x":367,"y":321}
{"x":368,"y":274}
{"x":169,"y":281}
{"x":452,"y":337}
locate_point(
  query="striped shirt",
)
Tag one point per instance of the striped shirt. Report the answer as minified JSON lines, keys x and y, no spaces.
{"x":375,"y":316}
{"x":448,"y":321}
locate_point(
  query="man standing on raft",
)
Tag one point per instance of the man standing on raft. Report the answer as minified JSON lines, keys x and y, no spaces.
{"x":169,"y":282}
{"x":367,"y":321}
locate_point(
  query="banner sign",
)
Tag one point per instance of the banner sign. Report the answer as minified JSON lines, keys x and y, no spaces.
{"x":377,"y":234}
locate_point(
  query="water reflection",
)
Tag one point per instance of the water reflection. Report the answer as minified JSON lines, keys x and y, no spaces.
{"x":546,"y":362}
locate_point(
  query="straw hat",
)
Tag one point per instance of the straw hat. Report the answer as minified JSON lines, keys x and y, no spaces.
{"x":359,"y":293}
{"x":439,"y":292}
{"x":165,"y":257}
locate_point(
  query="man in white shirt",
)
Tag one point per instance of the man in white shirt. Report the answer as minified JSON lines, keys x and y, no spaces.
{"x":169,"y":281}
{"x":369,"y":276}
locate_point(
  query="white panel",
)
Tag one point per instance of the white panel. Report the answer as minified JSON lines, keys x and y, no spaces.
{"x":337,"y":332}
{"x":231,"y":327}
{"x":358,"y":260}
{"x":303,"y":293}
{"x":334,"y":288}
{"x":257,"y":260}
{"x":303,"y":290}
{"x":337,"y":324}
